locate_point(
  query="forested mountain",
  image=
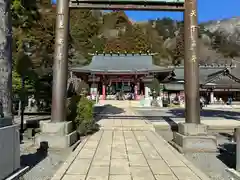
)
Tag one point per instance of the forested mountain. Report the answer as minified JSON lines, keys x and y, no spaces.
{"x":117,"y":33}
{"x":91,"y":31}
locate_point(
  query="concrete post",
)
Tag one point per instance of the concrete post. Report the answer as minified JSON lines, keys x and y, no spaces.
{"x":60,"y":69}
{"x":212,"y":97}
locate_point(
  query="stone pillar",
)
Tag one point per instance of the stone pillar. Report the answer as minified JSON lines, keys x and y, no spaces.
{"x":9,"y":134}
{"x":60,"y":68}
{"x":5,"y":63}
{"x":191,"y":135}
{"x":103,"y":91}
{"x":147,"y":90}
{"x":58,"y":133}
{"x":135,"y":91}
{"x":191,"y":65}
{"x":212,"y":97}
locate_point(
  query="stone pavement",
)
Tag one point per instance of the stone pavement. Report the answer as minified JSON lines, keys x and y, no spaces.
{"x":118,"y":153}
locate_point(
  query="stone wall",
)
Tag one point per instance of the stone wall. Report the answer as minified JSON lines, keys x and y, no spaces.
{"x":9,"y":150}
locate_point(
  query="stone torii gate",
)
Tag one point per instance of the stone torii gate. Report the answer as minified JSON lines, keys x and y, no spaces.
{"x":192,"y":127}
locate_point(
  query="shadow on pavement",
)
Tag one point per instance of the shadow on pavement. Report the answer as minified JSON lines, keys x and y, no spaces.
{"x":33,"y":159}
{"x":208,"y":113}
{"x":106,"y":111}
{"x":228,"y":154}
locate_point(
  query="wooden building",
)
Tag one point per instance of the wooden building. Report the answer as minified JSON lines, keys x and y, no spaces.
{"x":111,"y":73}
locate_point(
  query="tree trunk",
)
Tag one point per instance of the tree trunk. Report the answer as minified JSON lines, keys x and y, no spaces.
{"x":6,"y":59}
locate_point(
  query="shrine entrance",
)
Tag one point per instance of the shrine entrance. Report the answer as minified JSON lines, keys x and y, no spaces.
{"x":191,"y":68}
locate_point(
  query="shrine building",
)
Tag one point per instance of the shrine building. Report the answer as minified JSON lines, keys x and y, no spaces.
{"x":108,"y":74}
{"x":112,"y":73}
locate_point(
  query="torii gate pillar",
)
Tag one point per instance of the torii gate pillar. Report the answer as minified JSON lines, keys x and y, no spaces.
{"x":60,"y":67}
{"x":192,"y":135}
{"x":59,"y":133}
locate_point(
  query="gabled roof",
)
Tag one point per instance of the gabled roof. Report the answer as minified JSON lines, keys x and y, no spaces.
{"x":204,"y":72}
{"x":223,"y":78}
{"x":121,"y":63}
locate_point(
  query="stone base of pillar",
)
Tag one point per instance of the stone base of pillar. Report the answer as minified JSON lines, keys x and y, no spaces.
{"x":57,"y":135}
{"x":193,"y":138}
{"x":6,"y":121}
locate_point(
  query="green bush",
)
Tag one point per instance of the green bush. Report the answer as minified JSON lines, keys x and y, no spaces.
{"x":72,"y":103}
{"x":84,"y":120}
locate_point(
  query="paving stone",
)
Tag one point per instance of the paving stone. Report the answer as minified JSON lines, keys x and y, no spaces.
{"x":120,"y":177}
{"x":100,"y":162}
{"x":137,"y":171}
{"x":127,"y":155}
{"x":165,"y":177}
{"x":120,"y":167}
{"x":86,"y":153}
{"x":159,"y":167}
{"x":79,"y":166}
{"x":184,"y":173}
{"x":118,"y":144}
{"x":104,"y":157}
{"x":119,"y":153}
{"x":91,"y":144}
{"x":147,"y":177}
{"x":173,"y":161}
{"x":95,"y":171}
{"x":74,"y":177}
{"x":131,"y":148}
{"x":97,"y":178}
{"x":145,"y":145}
{"x":151,"y":154}
{"x":137,"y":160}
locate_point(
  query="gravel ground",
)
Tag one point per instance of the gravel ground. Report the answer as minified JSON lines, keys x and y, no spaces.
{"x":213,"y":164}
{"x":42,"y":165}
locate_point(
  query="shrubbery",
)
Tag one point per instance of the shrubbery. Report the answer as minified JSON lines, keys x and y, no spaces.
{"x":84,"y":120}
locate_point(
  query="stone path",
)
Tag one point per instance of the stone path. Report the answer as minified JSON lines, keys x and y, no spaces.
{"x":117,"y":152}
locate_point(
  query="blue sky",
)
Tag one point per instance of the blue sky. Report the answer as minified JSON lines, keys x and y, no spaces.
{"x":207,"y":10}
